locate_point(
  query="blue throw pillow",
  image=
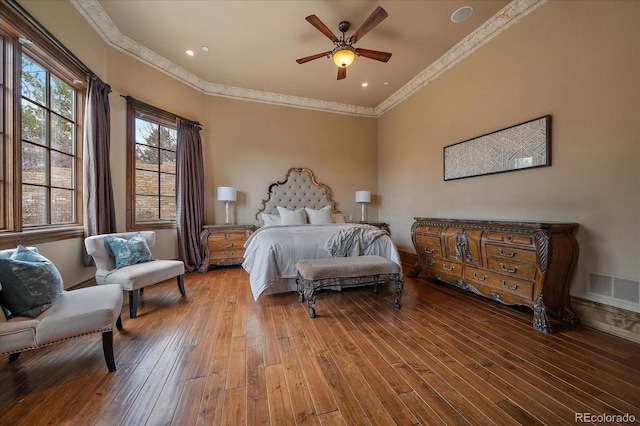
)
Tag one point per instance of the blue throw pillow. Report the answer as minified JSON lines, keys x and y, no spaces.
{"x":30,"y":283}
{"x":129,"y":252}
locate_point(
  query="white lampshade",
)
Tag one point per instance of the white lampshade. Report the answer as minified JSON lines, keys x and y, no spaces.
{"x":363,"y":196}
{"x":226,"y":193}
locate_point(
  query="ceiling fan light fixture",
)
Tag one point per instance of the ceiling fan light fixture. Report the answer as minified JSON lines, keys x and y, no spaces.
{"x":343,"y":56}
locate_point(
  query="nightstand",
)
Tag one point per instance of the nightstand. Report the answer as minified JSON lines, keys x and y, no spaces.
{"x":224,"y":244}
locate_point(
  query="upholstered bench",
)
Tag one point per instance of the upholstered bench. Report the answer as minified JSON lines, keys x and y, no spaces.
{"x":317,"y":274}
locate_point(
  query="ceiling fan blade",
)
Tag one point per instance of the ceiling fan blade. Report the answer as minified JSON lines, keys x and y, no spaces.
{"x":312,"y":57}
{"x":316,"y":22}
{"x":374,"y":54}
{"x":374,"y":19}
{"x":342,"y":73}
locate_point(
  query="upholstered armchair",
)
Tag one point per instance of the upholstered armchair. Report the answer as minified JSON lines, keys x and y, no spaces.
{"x":131,"y":266}
{"x":68,"y":315}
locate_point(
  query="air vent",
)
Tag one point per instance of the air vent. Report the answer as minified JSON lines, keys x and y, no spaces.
{"x":616,"y":288}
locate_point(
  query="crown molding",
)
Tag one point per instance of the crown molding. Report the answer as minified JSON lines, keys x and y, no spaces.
{"x":95,"y":15}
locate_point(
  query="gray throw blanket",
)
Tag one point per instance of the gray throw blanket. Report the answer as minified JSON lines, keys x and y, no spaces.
{"x":352,"y":241}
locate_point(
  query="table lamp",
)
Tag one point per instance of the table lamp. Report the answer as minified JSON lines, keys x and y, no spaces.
{"x":226,"y":194}
{"x":363,"y":197}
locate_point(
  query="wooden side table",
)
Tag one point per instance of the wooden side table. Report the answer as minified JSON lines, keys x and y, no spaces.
{"x":224,"y":244}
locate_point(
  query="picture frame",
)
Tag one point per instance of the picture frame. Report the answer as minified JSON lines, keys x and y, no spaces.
{"x":522,"y":146}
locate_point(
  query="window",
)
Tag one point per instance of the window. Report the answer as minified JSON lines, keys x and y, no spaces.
{"x":151,"y":156}
{"x":47,"y":148}
{"x":41,"y":113}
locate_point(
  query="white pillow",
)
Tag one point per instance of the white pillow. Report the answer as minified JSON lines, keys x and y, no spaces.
{"x":270,"y":219}
{"x":319,"y":217}
{"x":338,"y":218}
{"x":288,"y":217}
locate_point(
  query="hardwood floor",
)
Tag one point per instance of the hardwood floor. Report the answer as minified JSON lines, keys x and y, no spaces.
{"x":218,"y":357}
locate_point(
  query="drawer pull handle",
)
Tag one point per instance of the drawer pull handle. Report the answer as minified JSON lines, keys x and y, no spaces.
{"x":228,"y":254}
{"x":444,"y":266}
{"x":430,"y":263}
{"x":514,"y":287}
{"x":513,"y":254}
{"x":227,"y":245}
{"x":514,"y":270}
{"x":482,"y":278}
{"x":227,"y":235}
{"x":428,"y":251}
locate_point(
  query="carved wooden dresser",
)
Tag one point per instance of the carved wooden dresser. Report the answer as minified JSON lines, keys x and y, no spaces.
{"x":224,"y":244}
{"x":515,"y":263}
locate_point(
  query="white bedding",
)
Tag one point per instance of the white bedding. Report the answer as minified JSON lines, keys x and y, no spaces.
{"x":273,"y":251}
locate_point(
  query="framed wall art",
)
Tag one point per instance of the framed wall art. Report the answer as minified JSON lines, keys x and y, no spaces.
{"x":523,"y":146}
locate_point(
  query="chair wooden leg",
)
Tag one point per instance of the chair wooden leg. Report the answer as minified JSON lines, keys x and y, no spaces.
{"x":119,"y":323}
{"x":133,"y":303}
{"x":14,"y":356}
{"x":181,"y":285}
{"x":107,"y":348}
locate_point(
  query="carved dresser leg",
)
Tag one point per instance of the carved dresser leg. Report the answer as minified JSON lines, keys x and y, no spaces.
{"x":541,"y":321}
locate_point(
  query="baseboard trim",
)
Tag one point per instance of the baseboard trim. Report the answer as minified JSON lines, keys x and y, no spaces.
{"x":86,"y":283}
{"x":609,"y":319}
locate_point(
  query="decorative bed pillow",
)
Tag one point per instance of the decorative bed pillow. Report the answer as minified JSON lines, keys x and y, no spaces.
{"x":30,"y":283}
{"x":270,"y":219}
{"x":131,"y":251}
{"x":289,"y":217}
{"x":338,"y":218}
{"x":319,"y":217}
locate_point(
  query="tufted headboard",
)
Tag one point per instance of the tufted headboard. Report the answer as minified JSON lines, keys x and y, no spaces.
{"x":298,"y":189}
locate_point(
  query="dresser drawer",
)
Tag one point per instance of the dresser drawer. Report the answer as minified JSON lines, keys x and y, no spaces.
{"x":426,"y":239}
{"x":217,"y":256}
{"x":511,"y":238}
{"x":429,"y":250}
{"x":226,"y":241}
{"x":446,"y":267}
{"x":525,"y":271}
{"x":488,"y":282}
{"x":512,"y":253}
{"x":428,"y":229}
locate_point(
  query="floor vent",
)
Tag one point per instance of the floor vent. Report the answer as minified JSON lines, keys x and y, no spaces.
{"x":617,"y":288}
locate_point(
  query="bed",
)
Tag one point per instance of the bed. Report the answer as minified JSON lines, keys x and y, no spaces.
{"x":299,"y":220}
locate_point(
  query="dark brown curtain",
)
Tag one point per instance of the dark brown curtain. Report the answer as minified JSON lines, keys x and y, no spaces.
{"x":99,"y":209}
{"x":190,"y":194}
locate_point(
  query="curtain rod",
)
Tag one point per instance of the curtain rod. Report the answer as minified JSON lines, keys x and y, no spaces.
{"x":131,"y":99}
{"x":49,"y":36}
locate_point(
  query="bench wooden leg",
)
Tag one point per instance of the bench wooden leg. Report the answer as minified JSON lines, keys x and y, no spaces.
{"x":397,"y":291}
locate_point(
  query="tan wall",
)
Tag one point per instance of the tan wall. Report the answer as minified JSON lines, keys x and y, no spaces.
{"x":250,"y":145}
{"x":579,"y":62}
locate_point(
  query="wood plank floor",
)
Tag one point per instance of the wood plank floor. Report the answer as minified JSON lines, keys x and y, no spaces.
{"x":218,"y":357}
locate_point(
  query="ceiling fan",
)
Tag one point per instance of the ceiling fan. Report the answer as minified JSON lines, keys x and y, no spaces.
{"x":344,"y":53}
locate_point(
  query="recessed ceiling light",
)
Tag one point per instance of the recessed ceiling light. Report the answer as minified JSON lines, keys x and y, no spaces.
{"x":189,"y":52}
{"x":365,"y":84}
{"x":461,"y":14}
{"x":205,"y":49}
{"x":386,"y":83}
